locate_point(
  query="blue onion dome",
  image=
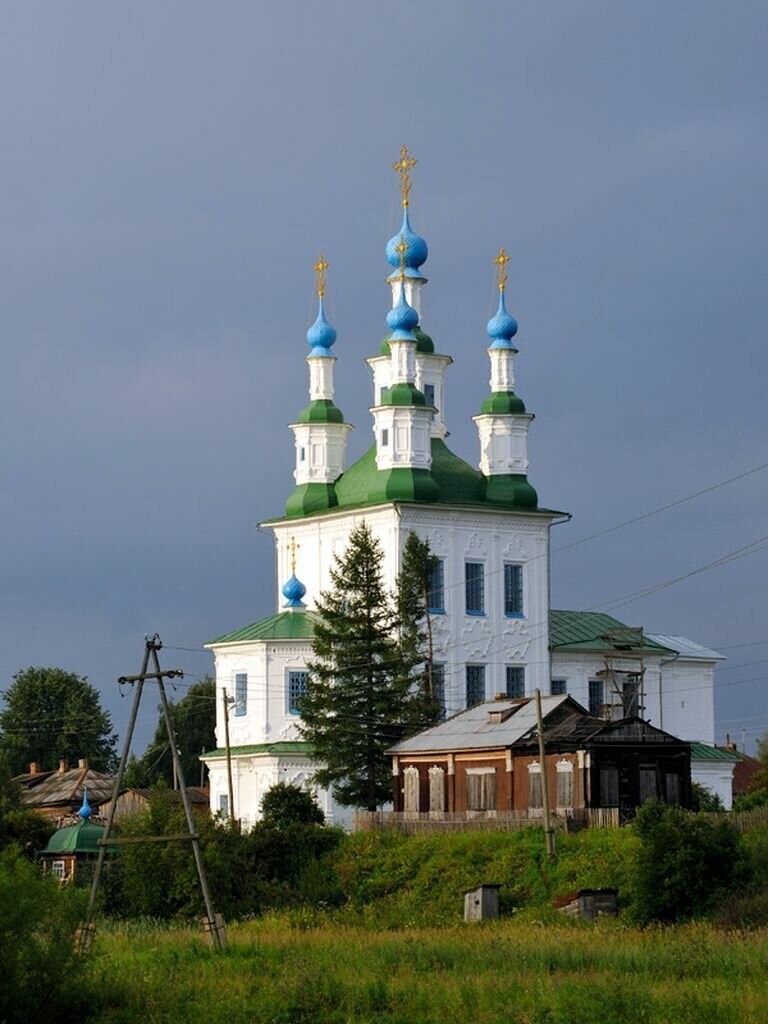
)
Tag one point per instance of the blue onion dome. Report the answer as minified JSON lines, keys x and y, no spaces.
{"x":85,"y":811}
{"x":402,"y":319}
{"x":502,"y":327}
{"x":417,"y":248}
{"x":321,"y":335}
{"x":293,"y":591}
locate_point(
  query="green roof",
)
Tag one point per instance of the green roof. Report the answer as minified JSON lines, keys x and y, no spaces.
{"x":704,"y":752}
{"x":287,"y":625}
{"x":81,"y":838}
{"x":596,"y":631}
{"x":283,"y":747}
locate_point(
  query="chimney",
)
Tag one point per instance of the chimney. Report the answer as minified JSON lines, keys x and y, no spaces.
{"x":63,"y":766}
{"x":83,"y":762}
{"x":34,"y":768}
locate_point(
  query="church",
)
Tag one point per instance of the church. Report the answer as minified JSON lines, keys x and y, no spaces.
{"x":493,"y":630}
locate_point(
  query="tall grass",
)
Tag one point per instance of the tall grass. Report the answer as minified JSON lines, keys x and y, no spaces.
{"x":513,"y":971}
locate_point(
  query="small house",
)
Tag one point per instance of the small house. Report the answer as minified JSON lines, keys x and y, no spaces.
{"x":60,"y":794}
{"x":486,"y":759}
{"x":72,"y":850}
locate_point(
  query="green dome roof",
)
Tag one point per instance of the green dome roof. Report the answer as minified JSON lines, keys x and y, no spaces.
{"x":503,"y":402}
{"x":321,"y":410}
{"x":81,"y":838}
{"x":424,"y":343}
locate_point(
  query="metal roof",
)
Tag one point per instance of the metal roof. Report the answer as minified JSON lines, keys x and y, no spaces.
{"x":280,"y":747}
{"x":473,"y":729}
{"x":66,"y":788}
{"x":295,"y":624}
{"x":81,"y":838}
{"x":596,"y":631}
{"x":705,"y":752}
{"x":686,"y":648}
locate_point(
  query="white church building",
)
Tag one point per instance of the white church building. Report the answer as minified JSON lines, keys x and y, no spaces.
{"x":492,"y":626}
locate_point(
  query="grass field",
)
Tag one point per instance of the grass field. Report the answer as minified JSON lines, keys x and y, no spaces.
{"x":296,"y":970}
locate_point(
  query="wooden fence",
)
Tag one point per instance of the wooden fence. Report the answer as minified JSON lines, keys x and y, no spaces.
{"x":414,"y":822}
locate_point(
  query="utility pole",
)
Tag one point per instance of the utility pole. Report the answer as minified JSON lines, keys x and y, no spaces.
{"x":214,"y":923}
{"x":549,"y":832}
{"x":226,"y":702}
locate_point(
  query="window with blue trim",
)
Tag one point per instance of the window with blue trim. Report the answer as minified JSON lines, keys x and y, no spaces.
{"x":513,"y":589}
{"x":436,"y":585}
{"x":596,"y":694}
{"x":438,"y":686}
{"x":474,"y":587}
{"x":241,"y":693}
{"x":515,"y":681}
{"x":557,"y":687}
{"x":475,"y":685}
{"x":297,"y":687}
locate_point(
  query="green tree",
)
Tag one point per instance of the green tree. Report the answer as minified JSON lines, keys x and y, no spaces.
{"x":51,"y":714}
{"x":358,"y":702}
{"x":414,"y":630}
{"x":285,"y":804}
{"x":194,"y":721}
{"x":686,"y":863}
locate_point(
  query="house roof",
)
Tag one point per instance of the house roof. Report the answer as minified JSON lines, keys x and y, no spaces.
{"x":473,"y":729}
{"x":744,"y":772}
{"x":66,"y":788}
{"x":196,"y":794}
{"x":686,"y":648}
{"x":596,"y":631}
{"x":288,"y":625}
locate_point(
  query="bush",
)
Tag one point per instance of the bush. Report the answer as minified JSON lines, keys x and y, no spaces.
{"x":285,"y":804}
{"x":703,"y":799}
{"x":686,"y":864}
{"x":37,"y":929}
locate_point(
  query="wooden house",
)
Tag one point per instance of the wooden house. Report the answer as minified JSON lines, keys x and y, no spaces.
{"x":60,"y":793}
{"x":72,"y":850}
{"x":486,"y":759}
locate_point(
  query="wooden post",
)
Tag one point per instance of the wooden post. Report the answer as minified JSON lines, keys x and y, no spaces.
{"x":225,"y":699}
{"x":549,"y":832}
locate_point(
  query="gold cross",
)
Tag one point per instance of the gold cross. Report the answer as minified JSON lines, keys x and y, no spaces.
{"x":403,"y":167}
{"x":294,"y":547}
{"x":401,"y":249}
{"x":320,"y":268}
{"x":501,"y":260}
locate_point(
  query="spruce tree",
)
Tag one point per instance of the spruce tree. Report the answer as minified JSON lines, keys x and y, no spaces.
{"x":357,"y":703}
{"x":415,"y":631}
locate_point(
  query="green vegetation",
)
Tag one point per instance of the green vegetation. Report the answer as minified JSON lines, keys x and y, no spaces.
{"x":194,"y":721}
{"x":27,"y":830}
{"x":278,"y":971}
{"x":359,"y":699}
{"x":37,"y":928}
{"x":51,"y":714}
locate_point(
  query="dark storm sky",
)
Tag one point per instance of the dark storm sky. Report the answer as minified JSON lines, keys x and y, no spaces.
{"x":169,"y":172}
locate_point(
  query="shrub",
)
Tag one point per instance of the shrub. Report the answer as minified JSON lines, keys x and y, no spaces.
{"x":686,"y":864}
{"x":37,"y":928}
{"x":285,"y":804}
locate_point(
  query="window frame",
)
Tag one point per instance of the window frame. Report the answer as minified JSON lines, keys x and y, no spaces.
{"x":240,"y":705}
{"x":436,"y":590}
{"x":593,"y":683}
{"x":521,"y":670}
{"x":291,"y":706}
{"x":558,"y":687}
{"x":514,"y":598}
{"x":477,"y":585}
{"x":474,"y":666}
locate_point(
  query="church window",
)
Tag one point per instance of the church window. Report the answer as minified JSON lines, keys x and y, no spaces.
{"x":596,"y":701}
{"x":535,"y":798}
{"x":630,"y":695}
{"x":436,"y":586}
{"x":557,"y":687}
{"x":241,"y":693}
{"x":481,"y":789}
{"x":515,"y":681}
{"x":382,"y":392}
{"x":438,"y":686}
{"x":223,"y":804}
{"x":474,"y":587}
{"x":564,"y":784}
{"x":302,"y":454}
{"x":429,"y":394}
{"x":513,"y":589}
{"x":475,"y":685}
{"x":297,"y":687}
{"x":385,"y":438}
